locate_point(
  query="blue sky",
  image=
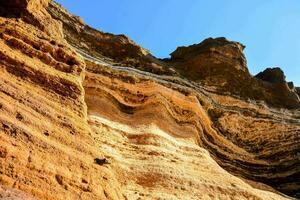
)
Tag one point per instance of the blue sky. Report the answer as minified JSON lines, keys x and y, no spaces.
{"x":270,"y":29}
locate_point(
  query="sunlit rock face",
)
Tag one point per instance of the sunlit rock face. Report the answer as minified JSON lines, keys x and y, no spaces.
{"x":90,"y":115}
{"x":46,"y":145}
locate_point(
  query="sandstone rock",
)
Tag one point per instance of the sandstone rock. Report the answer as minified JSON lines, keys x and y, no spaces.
{"x":272,"y":75}
{"x":213,"y":53}
{"x":221,"y":65}
{"x":116,"y":49}
{"x":66,"y":104}
{"x":218,"y":63}
{"x":214,"y":62}
{"x":148,"y":112}
{"x":12,"y":194}
{"x":41,"y":90}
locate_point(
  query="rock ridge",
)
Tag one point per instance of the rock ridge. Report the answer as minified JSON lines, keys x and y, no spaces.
{"x":221,"y":65}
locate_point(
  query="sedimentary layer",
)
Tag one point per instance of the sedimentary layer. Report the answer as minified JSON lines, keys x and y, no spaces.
{"x":249,"y":140}
{"x":46,"y":150}
{"x":91,"y":115}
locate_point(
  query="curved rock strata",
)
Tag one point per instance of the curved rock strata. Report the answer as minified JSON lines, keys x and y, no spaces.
{"x":196,"y":126}
{"x":249,"y":140}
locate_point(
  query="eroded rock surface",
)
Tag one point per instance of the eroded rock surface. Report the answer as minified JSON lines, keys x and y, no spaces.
{"x":219,"y":54}
{"x":221,"y":66}
{"x":196,"y":126}
{"x":117,"y":49}
{"x":47,"y":148}
{"x":13,"y":194}
{"x":272,"y":75}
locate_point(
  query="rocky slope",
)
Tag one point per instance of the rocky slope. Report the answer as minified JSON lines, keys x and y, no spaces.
{"x":195,"y":126}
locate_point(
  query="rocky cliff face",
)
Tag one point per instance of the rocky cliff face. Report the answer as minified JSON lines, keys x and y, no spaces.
{"x":46,"y":150}
{"x":221,"y":66}
{"x":91,"y":115}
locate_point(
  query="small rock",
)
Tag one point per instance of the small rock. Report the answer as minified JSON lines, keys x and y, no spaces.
{"x":101,"y":161}
{"x":19,"y":116}
{"x":46,"y":133}
{"x":84,"y":181}
{"x":59,"y":179}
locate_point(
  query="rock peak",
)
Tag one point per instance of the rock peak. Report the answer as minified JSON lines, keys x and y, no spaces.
{"x":272,"y":75}
{"x":214,"y":51}
{"x":221,"y":64}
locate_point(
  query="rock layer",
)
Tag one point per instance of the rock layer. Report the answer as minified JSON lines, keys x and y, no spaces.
{"x":72,"y":95}
{"x":46,"y":146}
{"x":109,"y":47}
{"x":244,"y":150}
{"x":154,"y":135}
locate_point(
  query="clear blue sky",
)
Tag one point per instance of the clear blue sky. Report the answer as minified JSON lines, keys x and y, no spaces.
{"x":270,"y":29}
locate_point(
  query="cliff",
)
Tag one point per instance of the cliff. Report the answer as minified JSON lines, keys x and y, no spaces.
{"x":92,"y":115}
{"x":221,"y":65}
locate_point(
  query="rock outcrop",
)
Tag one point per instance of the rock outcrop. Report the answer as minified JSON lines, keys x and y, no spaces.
{"x":221,"y":66}
{"x":91,"y":115}
{"x":219,"y":54}
{"x":272,"y":75}
{"x":114,"y":49}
